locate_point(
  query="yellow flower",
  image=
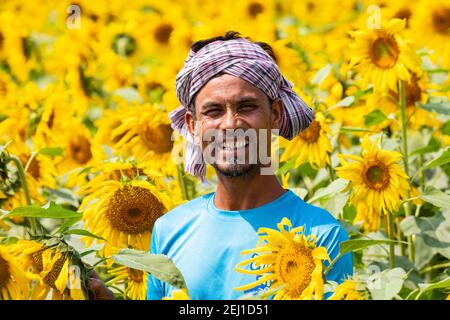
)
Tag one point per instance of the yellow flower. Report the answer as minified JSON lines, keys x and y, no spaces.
{"x":382,"y":56}
{"x":181,"y":294}
{"x":123,"y":212}
{"x":348,"y":290}
{"x":51,"y":268}
{"x":290,"y":259}
{"x":136,"y":281}
{"x":430,"y":27}
{"x":377,"y":181}
{"x":142,"y":131}
{"x":14,"y":284}
{"x":310,"y":145}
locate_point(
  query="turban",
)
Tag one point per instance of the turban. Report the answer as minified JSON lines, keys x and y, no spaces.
{"x":248,"y":61}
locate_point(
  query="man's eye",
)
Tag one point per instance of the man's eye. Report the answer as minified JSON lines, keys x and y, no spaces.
{"x":213,"y":112}
{"x":248,"y":107}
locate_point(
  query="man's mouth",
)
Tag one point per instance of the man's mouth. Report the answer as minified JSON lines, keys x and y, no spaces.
{"x":234,"y":145}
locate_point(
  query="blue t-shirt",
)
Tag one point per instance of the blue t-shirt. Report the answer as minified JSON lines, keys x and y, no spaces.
{"x":205,"y":243}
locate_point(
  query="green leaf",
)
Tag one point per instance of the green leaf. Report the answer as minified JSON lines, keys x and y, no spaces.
{"x":446,"y":128}
{"x":359,"y":244}
{"x":435,"y":197}
{"x":50,"y":210}
{"x":442,"y":107}
{"x":387,"y":284}
{"x":288,"y":165}
{"x":414,"y":225}
{"x":444,"y":158}
{"x":335,"y":187}
{"x":52,"y":151}
{"x":321,"y":75}
{"x":158,"y":265}
{"x":347,"y":101}
{"x":424,"y":287}
{"x":82,"y":232}
{"x":375,"y":117}
{"x":432,"y":146}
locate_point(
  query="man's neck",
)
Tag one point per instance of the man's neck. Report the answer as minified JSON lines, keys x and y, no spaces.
{"x":246,"y":192}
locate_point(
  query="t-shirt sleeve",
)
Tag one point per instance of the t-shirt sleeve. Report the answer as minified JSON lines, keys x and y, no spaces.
{"x":154,"y":286}
{"x":343,"y":268}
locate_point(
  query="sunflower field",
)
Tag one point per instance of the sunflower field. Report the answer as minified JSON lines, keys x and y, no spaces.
{"x":87,"y":155}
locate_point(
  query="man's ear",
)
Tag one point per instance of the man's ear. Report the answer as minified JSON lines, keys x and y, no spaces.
{"x":190,"y":122}
{"x":189,"y":118}
{"x":277,"y":113}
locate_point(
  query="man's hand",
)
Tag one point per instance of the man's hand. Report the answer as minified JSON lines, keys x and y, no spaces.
{"x":97,"y":288}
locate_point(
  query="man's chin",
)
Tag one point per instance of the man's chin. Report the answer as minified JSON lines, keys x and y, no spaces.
{"x":234,"y":170}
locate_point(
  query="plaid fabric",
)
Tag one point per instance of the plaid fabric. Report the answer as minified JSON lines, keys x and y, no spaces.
{"x":248,"y":61}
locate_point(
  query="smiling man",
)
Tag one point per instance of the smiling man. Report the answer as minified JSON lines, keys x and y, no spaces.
{"x":230,"y":84}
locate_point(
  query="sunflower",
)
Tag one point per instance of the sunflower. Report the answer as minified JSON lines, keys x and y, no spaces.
{"x":416,"y":92}
{"x":348,"y":290}
{"x":144,"y":131}
{"x":136,"y":281}
{"x":181,"y":294}
{"x":80,"y":151}
{"x":310,"y":145}
{"x":382,"y":56}
{"x":430,"y":26}
{"x":54,"y":270}
{"x":13,"y":282}
{"x":377,"y":181}
{"x":123,"y":212}
{"x":289,"y":259}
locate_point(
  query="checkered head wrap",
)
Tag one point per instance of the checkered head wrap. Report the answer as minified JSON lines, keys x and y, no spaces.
{"x":248,"y":61}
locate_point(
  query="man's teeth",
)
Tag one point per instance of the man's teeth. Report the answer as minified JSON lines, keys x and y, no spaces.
{"x":232,"y":145}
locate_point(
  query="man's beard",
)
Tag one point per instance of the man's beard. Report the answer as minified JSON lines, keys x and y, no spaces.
{"x":234,"y":169}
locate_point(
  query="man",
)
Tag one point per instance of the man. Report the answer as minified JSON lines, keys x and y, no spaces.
{"x":229,"y":84}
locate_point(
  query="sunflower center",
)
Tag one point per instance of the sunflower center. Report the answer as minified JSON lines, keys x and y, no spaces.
{"x":80,"y":149}
{"x":163,"y":32}
{"x":254,"y":9}
{"x":135,"y":275}
{"x":404,"y":13}
{"x":157,"y":139}
{"x":384,"y":51}
{"x":133,"y":210}
{"x":441,"y":20}
{"x":376,"y":175}
{"x":413,"y":92}
{"x":312,"y":133}
{"x":4,"y":272}
{"x":294,"y":267}
{"x":123,"y":44}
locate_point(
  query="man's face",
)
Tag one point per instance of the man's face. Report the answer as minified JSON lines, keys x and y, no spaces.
{"x":227,"y":105}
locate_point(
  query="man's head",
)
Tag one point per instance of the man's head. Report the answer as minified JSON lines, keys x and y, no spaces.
{"x":231,"y":84}
{"x":225,"y":104}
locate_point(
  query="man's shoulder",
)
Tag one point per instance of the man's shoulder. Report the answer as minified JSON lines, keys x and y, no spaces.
{"x":184,"y":211}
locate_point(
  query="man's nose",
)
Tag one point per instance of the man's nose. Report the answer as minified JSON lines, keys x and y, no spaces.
{"x":230,"y":120}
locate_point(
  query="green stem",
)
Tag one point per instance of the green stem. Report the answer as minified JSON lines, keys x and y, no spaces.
{"x":23,"y":180}
{"x":402,"y":105}
{"x":330,"y":172}
{"x":392,"y":238}
{"x":182,"y":181}
{"x":400,"y":242}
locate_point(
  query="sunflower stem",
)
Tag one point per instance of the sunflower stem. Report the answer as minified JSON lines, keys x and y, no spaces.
{"x":330,"y":172}
{"x":402,"y":105}
{"x":182,"y":182}
{"x":391,"y":237}
{"x":23,"y":181}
